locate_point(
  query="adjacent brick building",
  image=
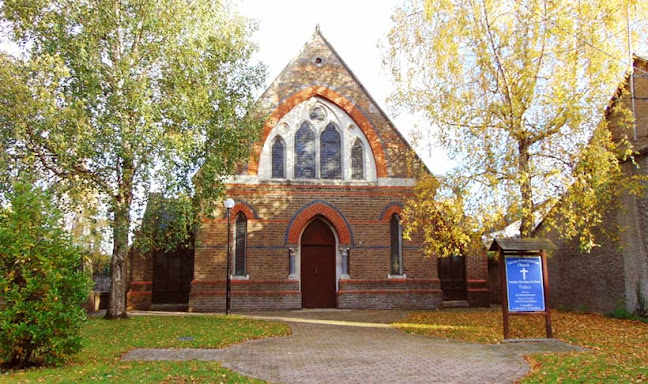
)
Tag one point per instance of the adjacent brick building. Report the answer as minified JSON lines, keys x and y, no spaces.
{"x":317,"y":215}
{"x":614,"y":275}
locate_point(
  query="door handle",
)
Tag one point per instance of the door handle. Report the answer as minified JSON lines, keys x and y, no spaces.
{"x":315,"y":271}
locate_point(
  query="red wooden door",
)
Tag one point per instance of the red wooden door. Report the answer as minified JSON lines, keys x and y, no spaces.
{"x":318,"y":266}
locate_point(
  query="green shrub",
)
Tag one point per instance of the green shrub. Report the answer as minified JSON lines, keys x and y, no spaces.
{"x":42,"y":284}
{"x":621,"y":313}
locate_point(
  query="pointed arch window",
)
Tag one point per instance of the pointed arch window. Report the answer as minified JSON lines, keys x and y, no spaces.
{"x":305,"y":152}
{"x":240,"y":245}
{"x":357,"y":161}
{"x":331,"y":153}
{"x":278,"y":158}
{"x":396,"y":246}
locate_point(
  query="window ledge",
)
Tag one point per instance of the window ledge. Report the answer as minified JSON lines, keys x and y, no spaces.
{"x":239,"y":277}
{"x":403,"y":276}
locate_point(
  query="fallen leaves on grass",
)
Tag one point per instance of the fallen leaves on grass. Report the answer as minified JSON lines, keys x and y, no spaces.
{"x":618,"y":348}
{"x":105,"y":342}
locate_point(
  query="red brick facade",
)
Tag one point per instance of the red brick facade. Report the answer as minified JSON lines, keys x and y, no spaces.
{"x":358,"y":211}
{"x":356,"y":214}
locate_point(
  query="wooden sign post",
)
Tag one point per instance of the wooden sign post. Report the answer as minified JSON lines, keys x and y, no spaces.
{"x":525,"y":281}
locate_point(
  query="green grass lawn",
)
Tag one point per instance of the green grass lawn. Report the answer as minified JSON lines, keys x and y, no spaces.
{"x":105,"y":342}
{"x":617,"y":349}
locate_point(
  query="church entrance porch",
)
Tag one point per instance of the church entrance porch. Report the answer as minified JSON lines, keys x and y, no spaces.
{"x":318,"y":266}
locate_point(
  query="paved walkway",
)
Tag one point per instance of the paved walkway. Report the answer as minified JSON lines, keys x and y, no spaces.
{"x":359,"y":347}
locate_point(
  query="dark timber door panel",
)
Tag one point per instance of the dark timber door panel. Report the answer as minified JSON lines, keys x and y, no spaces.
{"x":172,"y":275}
{"x":318,"y":266}
{"x":452,"y":273}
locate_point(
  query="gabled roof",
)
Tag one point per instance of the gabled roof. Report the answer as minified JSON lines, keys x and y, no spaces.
{"x":318,"y":70}
{"x":318,"y":36}
{"x":519,"y":245}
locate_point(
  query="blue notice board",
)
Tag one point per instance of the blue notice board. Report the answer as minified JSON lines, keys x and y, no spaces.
{"x":524,"y":284}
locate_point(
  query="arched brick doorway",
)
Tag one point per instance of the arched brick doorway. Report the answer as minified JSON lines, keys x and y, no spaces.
{"x":318,"y":266}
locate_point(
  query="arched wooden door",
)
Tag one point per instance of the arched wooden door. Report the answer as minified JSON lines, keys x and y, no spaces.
{"x":318,"y":266}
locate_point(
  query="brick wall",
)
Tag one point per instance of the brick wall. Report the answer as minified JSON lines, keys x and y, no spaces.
{"x":592,"y":282}
{"x":139,"y":280}
{"x":390,"y":294}
{"x":139,"y":295}
{"x":477,"y":280}
{"x":279,"y":211}
{"x":209,"y":296}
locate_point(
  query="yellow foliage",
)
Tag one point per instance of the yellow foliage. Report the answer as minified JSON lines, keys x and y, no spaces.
{"x":515,"y":92}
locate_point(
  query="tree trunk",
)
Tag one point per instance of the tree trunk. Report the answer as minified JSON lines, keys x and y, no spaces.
{"x":527,"y":217}
{"x":117,"y":301}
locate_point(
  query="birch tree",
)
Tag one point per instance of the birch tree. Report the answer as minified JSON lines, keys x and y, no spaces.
{"x":113,"y":97}
{"x":515,"y":92}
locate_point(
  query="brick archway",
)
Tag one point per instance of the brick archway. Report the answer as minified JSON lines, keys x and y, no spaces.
{"x":345,"y":104}
{"x":242,"y":206}
{"x":389,"y":210}
{"x":318,"y":208}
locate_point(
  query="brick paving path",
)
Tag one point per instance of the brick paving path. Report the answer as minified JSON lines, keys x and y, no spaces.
{"x":357,"y":347}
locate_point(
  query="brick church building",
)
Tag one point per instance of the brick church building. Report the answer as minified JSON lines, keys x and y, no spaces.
{"x":317,"y":215}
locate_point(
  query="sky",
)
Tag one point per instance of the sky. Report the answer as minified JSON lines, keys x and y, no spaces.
{"x":355,"y":28}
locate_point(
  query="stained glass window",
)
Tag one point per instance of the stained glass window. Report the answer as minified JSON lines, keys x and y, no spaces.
{"x":278,"y":158}
{"x":330,"y":153}
{"x":240,"y":244}
{"x":305,"y":152}
{"x":357,"y":161}
{"x":396,"y":246}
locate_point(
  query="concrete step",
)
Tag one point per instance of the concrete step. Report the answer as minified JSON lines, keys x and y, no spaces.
{"x":455,"y":303}
{"x":170,"y":307}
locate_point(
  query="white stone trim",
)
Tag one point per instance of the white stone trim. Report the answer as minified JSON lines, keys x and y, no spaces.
{"x":237,"y":277}
{"x":288,"y":125}
{"x":295,"y":258}
{"x":403,"y":276}
{"x":396,"y":182}
{"x":381,"y":181}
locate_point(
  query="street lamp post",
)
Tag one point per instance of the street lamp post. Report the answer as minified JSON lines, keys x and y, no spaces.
{"x":229,"y":204}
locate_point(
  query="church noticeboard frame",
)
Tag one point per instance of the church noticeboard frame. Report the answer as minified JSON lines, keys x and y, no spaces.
{"x":525,"y":283}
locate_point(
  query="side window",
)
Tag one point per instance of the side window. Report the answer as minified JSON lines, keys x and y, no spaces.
{"x":396,"y":246}
{"x":305,"y":152}
{"x":278,"y":158}
{"x":240,"y":245}
{"x":330,"y":153}
{"x":357,"y":161}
